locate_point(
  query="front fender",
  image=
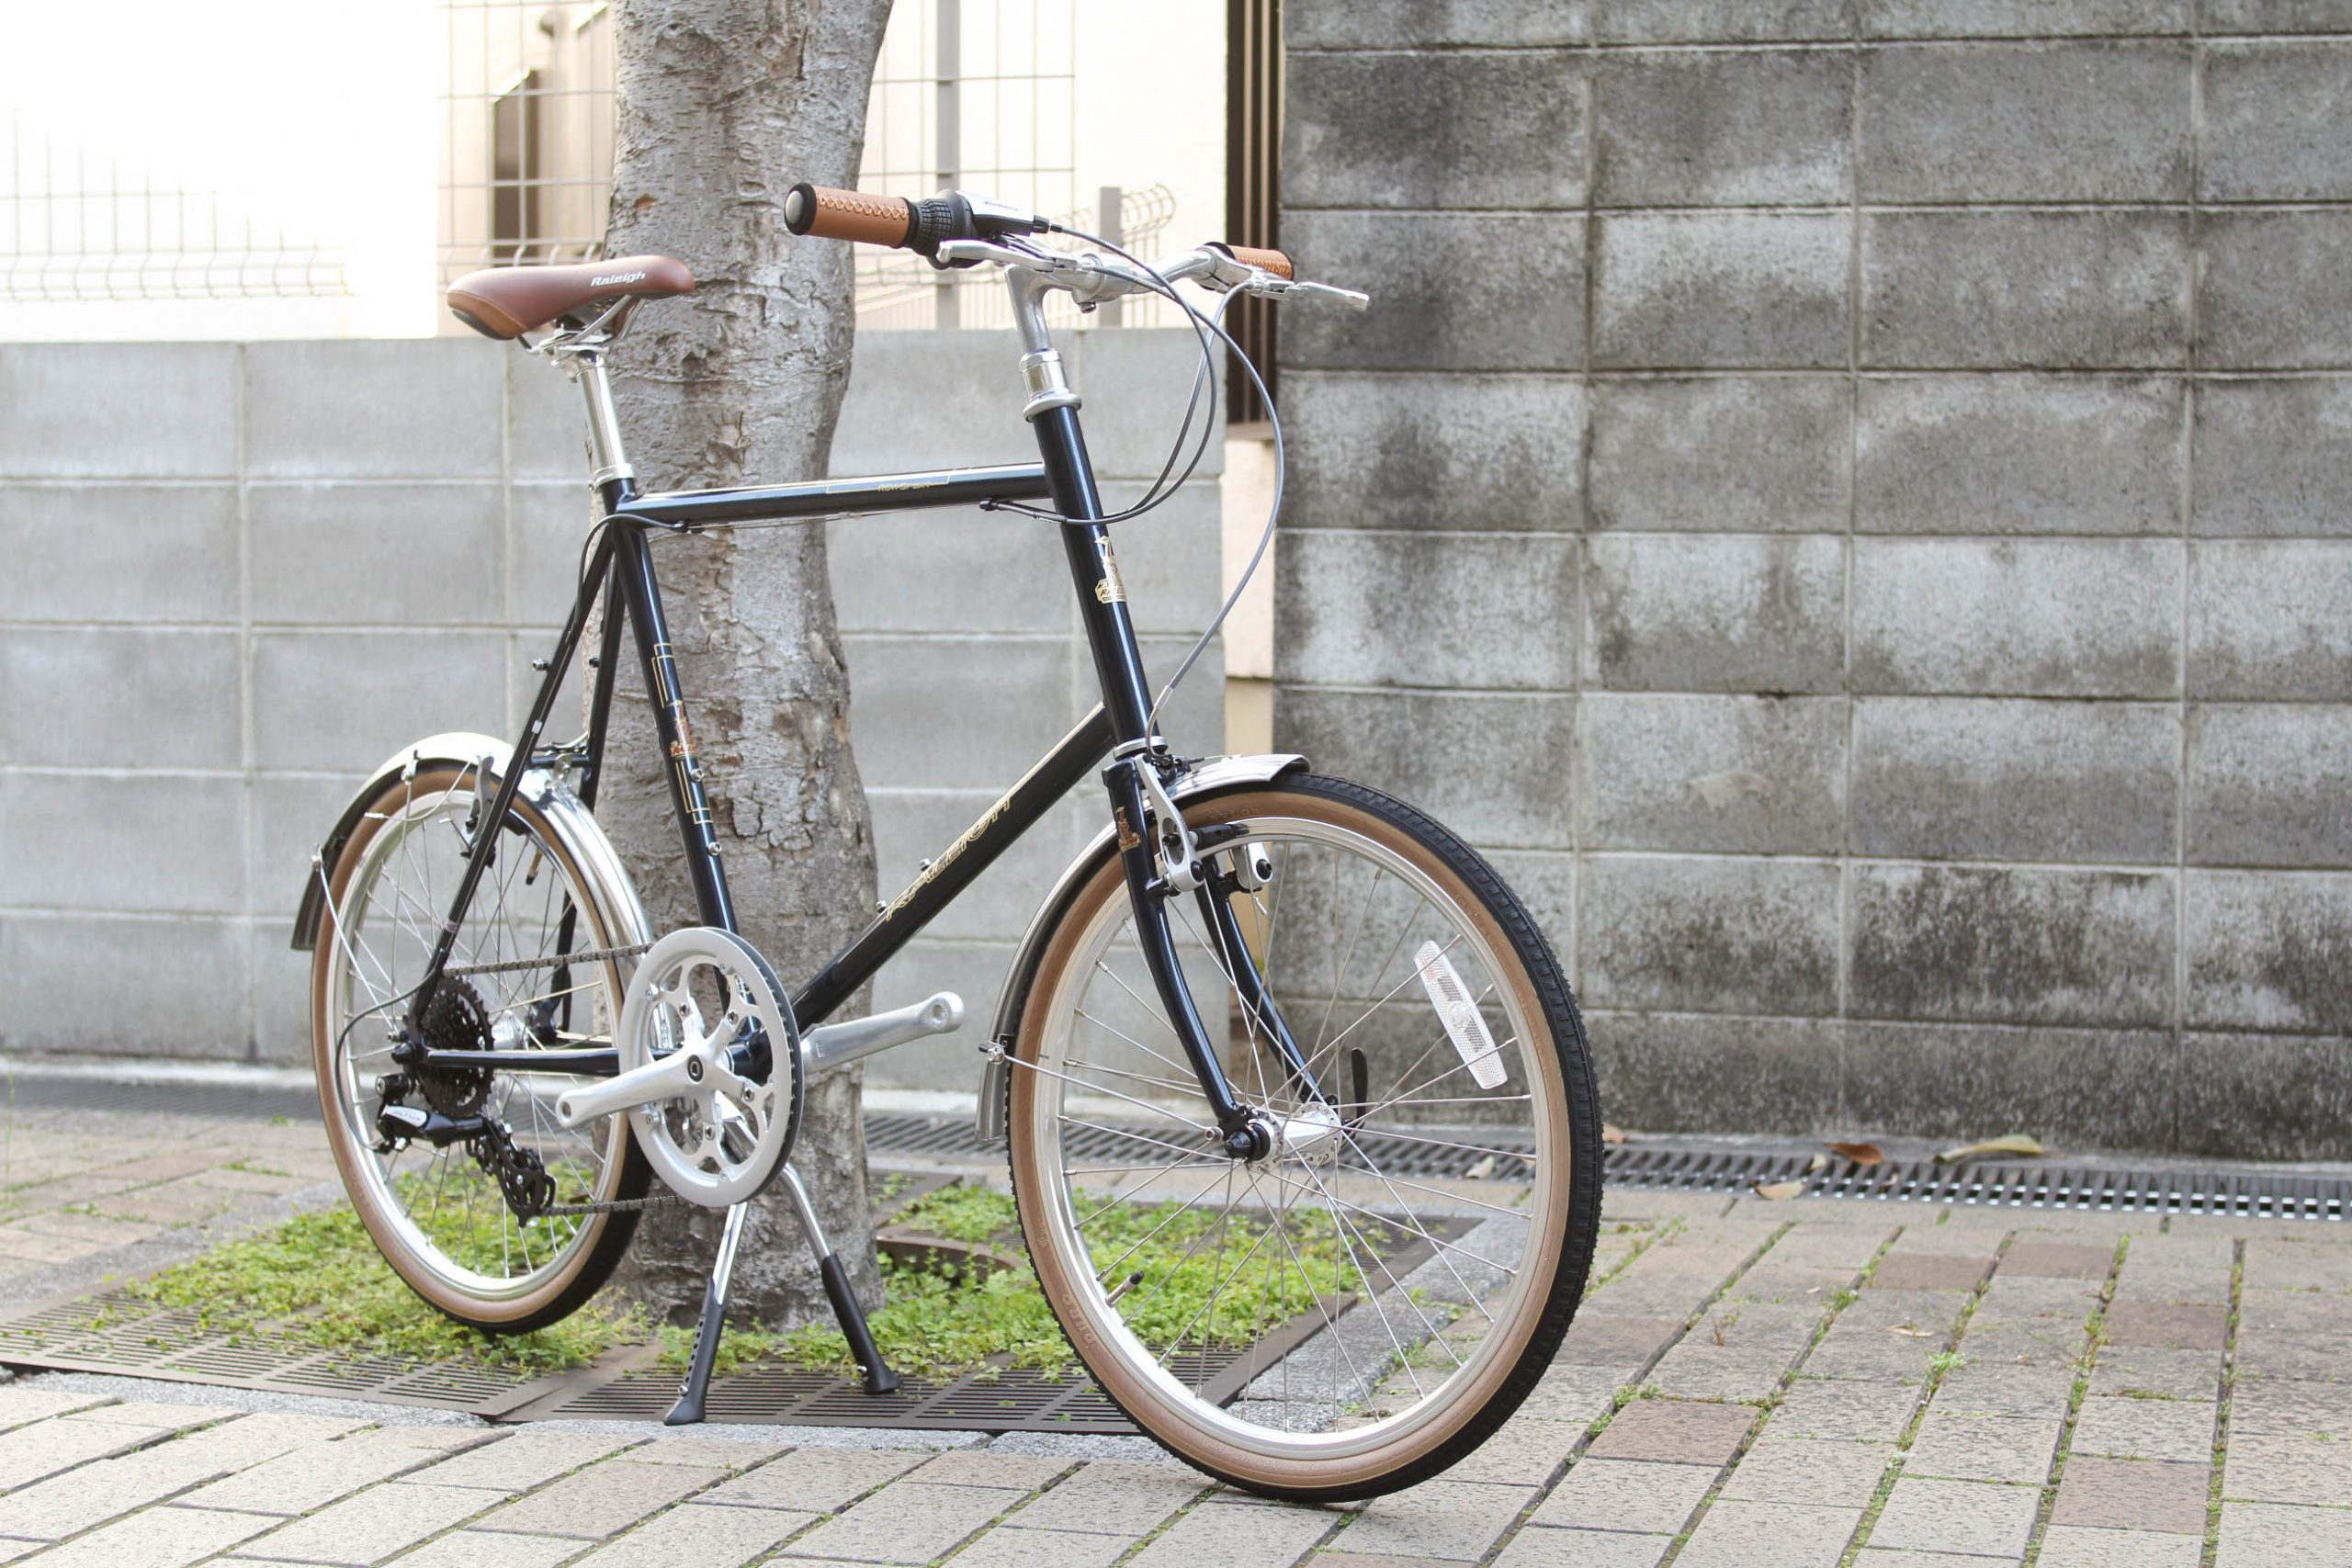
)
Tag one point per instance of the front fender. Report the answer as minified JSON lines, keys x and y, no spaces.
{"x":1211,"y":777}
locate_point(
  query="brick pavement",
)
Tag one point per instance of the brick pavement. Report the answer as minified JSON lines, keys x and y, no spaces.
{"x":1750,"y":1384}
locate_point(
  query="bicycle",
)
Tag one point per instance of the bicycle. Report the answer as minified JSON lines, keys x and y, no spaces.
{"x":1299,"y":1117}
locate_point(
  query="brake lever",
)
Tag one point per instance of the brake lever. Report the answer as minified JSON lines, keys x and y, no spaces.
{"x":1274,"y":288}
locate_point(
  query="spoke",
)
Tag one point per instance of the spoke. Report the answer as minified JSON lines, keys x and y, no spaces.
{"x":1414,"y":1231}
{"x":1370,"y":1293}
{"x":1140,"y":1078}
{"x":1200,"y":1127}
{"x":1415,"y":1065}
{"x":1340,"y":965}
{"x":1433,"y":1330}
{"x":1387,"y":996}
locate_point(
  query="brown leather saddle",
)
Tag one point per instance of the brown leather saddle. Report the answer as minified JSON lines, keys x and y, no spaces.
{"x":507,"y":301}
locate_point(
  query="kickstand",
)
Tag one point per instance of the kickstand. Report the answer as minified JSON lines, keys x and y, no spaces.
{"x":688,"y":1410}
{"x":879,"y":1378}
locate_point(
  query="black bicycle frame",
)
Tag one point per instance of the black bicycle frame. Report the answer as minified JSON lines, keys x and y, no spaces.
{"x":621,"y":571}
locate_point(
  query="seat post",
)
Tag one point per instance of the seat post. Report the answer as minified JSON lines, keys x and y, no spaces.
{"x":608,"y":460}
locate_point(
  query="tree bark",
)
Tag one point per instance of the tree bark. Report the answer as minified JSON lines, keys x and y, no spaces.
{"x":723,"y":105}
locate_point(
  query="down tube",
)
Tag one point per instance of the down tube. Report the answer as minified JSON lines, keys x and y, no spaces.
{"x":954,"y":868}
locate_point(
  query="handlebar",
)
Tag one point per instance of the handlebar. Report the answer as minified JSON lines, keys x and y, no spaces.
{"x":958,"y":229}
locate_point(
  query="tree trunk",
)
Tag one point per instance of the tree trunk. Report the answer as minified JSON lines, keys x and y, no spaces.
{"x":724,"y":104}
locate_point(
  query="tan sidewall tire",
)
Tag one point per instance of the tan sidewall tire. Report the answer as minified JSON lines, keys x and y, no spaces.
{"x":522,"y":1310}
{"x":1357,"y":1476}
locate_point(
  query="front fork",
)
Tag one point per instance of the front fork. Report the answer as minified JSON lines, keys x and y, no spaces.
{"x":1144,"y":835}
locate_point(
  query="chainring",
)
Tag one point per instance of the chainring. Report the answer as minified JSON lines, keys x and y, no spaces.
{"x":708,"y":992}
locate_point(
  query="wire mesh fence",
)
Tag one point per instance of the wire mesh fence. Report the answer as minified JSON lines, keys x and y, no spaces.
{"x":77,"y":225}
{"x":972,"y":93}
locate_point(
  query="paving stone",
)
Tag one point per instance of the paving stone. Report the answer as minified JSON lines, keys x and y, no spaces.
{"x":309,"y":1478}
{"x":2058,"y":1259}
{"x":2263,"y":1467}
{"x":2141,"y":1371}
{"x":1957,"y":1515}
{"x":706,"y":1537}
{"x":522,"y":1460}
{"x":2147,"y":1428}
{"x":375,"y":1523}
{"x":1851,"y":1412}
{"x":1697,"y":1368}
{"x":2290,"y":1406}
{"x":1454,"y":1519}
{"x":1574,"y":1394}
{"x":708,"y":1454}
{"x":1738,"y":1534}
{"x":2266,"y":1535}
{"x":819,"y":1478}
{"x":2134,"y":1494}
{"x":606,"y":1498}
{"x":1626,"y":1494}
{"x":156,"y":1414}
{"x":905,"y":1522}
{"x":1213,"y":1534}
{"x":2297,"y":1266}
{"x":1985,"y":1447}
{"x":1981,"y":1388}
{"x":1536,"y":1547}
{"x":2072,"y":1546}
{"x":68,"y":1504}
{"x":2167,"y":1326}
{"x":1809,"y":1471}
{"x":1610,"y":1338}
{"x":1021,"y":1473}
{"x":1005,"y":1547}
{"x":30,"y":1453}
{"x":1675,"y":1429}
{"x":2198,"y":1286}
{"x":21,"y":1407}
{"x":1523,"y":1451}
{"x":472,"y":1548}
{"x":1128,"y":1501}
{"x":159,"y":1538}
{"x":2285,"y":1353}
{"x":1929,"y":1272}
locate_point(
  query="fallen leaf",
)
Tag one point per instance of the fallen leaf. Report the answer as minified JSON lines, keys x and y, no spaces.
{"x":2015,"y":1144}
{"x":1612,"y":1133}
{"x":1908,"y":1332}
{"x":1818,"y":1162}
{"x":1860,"y":1154}
{"x":1778,"y":1191}
{"x":1479,"y":1172}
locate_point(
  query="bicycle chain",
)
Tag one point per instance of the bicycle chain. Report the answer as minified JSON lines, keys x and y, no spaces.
{"x":585,"y":955}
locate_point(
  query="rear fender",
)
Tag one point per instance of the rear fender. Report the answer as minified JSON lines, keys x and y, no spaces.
{"x":618,"y":910}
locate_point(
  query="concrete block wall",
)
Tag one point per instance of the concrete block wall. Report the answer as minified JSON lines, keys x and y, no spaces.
{"x":240,"y":575}
{"x":1851,"y":504}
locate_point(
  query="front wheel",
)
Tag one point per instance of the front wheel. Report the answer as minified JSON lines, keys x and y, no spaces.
{"x":1357,"y":1311}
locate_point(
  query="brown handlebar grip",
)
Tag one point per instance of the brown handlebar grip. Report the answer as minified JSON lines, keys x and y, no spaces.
{"x":1264,"y":261}
{"x":848,"y":215}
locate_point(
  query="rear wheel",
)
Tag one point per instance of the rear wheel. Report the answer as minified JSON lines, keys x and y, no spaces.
{"x":1359,"y":1309}
{"x":438,"y":1215}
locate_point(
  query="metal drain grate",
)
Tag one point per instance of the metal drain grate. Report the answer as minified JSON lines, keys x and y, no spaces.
{"x":2251,"y":1192}
{"x":1416,"y":1156}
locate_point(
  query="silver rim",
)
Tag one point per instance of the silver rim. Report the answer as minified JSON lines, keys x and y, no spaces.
{"x":437,"y":1201}
{"x":1436,"y":1266}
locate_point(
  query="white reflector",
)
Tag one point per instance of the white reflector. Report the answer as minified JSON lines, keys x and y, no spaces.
{"x":1460,"y":1015}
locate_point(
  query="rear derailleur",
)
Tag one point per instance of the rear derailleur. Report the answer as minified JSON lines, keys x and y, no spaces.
{"x":521,"y":1175}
